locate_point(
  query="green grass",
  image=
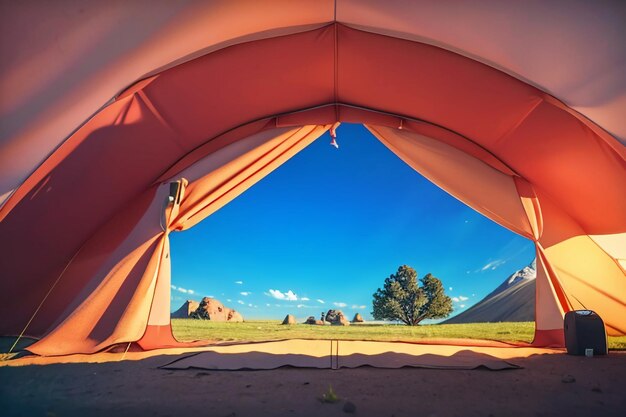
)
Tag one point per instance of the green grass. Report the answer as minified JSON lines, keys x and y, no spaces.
{"x":189,"y":329}
{"x":259,"y":330}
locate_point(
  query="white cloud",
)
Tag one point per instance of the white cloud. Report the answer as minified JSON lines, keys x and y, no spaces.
{"x":340,"y":304}
{"x":250,"y":305}
{"x":462,"y":306}
{"x":460,"y":299}
{"x":240,"y":302}
{"x":268,"y":305}
{"x":183,"y":290}
{"x":357,"y":307}
{"x":289,"y":295}
{"x":455,"y":299}
{"x":493,"y":264}
{"x":305,"y":299}
{"x":245,"y":293}
{"x":450,"y":289}
{"x":228,"y":299}
{"x":320,"y":301}
{"x":463,"y":298}
{"x":300,"y":305}
{"x":239,"y":282}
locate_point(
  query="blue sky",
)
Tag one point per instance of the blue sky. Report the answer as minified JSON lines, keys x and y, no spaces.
{"x":326,"y":228}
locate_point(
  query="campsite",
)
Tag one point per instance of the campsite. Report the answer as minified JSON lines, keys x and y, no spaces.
{"x":312,"y":207}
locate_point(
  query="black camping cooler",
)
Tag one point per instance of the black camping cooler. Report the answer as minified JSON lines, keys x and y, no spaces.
{"x":584,"y":333}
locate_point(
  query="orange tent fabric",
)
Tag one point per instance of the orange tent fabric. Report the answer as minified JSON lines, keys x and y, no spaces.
{"x":85,"y":192}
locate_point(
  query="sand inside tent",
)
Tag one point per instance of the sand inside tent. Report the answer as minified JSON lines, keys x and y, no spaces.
{"x":138,"y":387}
{"x":542,"y":382}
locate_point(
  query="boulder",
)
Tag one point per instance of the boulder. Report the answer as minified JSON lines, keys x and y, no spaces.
{"x":234,"y":316}
{"x":289,"y":319}
{"x":337,"y":318}
{"x":312,"y":320}
{"x":331,"y":315}
{"x":184,"y":312}
{"x":212,"y":309}
{"x":357,"y":318}
{"x":340,"y":320}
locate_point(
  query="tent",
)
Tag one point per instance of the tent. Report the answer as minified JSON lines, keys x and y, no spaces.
{"x":123,"y":122}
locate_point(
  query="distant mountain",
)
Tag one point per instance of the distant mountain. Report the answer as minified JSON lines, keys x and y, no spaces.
{"x":513,"y":300}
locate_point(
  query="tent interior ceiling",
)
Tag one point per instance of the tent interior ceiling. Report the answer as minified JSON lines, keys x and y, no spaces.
{"x":54,"y":75}
{"x":485,"y":80}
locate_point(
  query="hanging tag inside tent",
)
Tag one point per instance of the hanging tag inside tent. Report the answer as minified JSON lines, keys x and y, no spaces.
{"x":333,"y":135}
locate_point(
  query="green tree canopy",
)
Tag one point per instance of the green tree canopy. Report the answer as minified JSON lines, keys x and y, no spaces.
{"x":401,"y":298}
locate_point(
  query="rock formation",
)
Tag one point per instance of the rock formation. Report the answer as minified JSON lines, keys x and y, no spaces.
{"x":358,"y":318}
{"x":184,"y":312}
{"x":341,"y":320}
{"x":337,"y":318}
{"x":212,"y":309}
{"x":289,"y":319}
{"x":312,"y":320}
{"x":331,"y":315}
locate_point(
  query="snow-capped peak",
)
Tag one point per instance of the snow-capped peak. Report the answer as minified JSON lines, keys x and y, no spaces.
{"x":525,"y":274}
{"x":528,"y":272}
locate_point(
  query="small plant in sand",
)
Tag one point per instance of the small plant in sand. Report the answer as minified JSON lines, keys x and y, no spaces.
{"x":329,"y":396}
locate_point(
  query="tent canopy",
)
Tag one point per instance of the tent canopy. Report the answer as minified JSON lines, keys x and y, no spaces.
{"x":511,"y":108}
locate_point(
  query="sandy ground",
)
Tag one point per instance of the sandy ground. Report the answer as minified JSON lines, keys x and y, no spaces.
{"x":137,"y":388}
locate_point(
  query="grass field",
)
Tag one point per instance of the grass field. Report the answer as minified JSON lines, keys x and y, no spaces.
{"x":259,"y":330}
{"x":189,"y":329}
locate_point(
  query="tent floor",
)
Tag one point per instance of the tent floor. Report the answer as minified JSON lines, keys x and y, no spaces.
{"x":139,"y":387}
{"x":104,"y":384}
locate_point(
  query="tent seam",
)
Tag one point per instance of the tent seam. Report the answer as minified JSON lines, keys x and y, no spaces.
{"x":514,"y":128}
{"x":143,"y":97}
{"x":336,"y":67}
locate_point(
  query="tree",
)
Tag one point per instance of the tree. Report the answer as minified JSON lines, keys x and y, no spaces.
{"x":402,"y":299}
